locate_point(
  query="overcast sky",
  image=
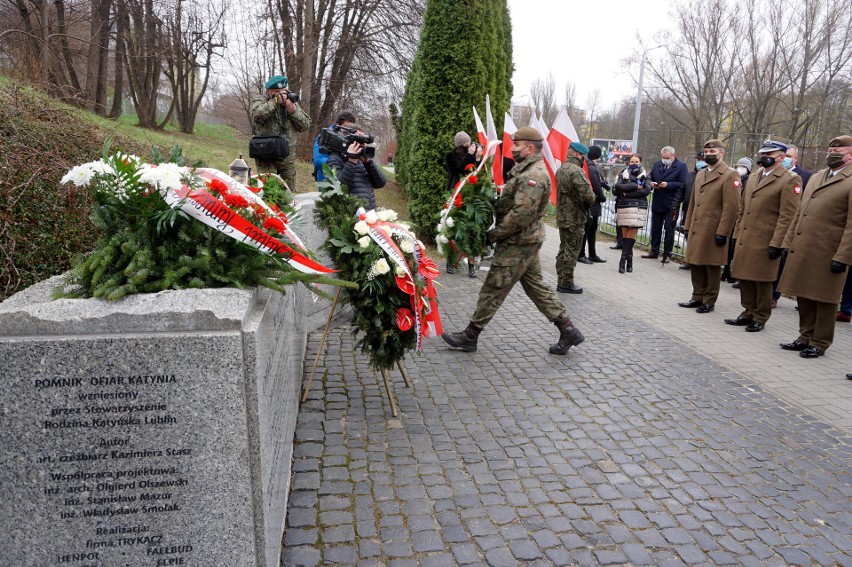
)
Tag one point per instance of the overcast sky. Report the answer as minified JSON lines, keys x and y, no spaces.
{"x":584,"y":42}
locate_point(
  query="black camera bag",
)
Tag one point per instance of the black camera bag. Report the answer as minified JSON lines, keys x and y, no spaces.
{"x":268,"y":148}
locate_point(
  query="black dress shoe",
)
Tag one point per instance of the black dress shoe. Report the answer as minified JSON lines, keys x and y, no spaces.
{"x":740,"y":321}
{"x":755,"y":327}
{"x":705,"y":308}
{"x":597,"y":260}
{"x":617,"y":247}
{"x":684,"y":266}
{"x":691,"y":304}
{"x":666,"y":258}
{"x":573,"y":288}
{"x":795,"y":345}
{"x":812,"y":352}
{"x":736,"y":285}
{"x":651,"y":255}
{"x":584,"y":260}
{"x":849,"y":376}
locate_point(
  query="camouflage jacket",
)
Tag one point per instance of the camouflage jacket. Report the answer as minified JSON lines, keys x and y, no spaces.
{"x":522,"y":203}
{"x":574,"y":194}
{"x":269,"y":118}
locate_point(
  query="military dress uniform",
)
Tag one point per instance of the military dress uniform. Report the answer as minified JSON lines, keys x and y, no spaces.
{"x":820,"y":234}
{"x":269,"y":119}
{"x":519,"y":234}
{"x":574,"y":196}
{"x":712,"y":212}
{"x":770,"y":203}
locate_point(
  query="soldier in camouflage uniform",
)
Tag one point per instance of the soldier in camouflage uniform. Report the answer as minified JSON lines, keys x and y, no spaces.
{"x":273,"y":113}
{"x":574,"y":196}
{"x":519,"y":235}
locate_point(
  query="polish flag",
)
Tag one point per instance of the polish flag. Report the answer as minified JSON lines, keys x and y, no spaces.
{"x":480,"y":130}
{"x":509,"y":129}
{"x":561,"y":136}
{"x":491,"y":129}
{"x":550,"y":162}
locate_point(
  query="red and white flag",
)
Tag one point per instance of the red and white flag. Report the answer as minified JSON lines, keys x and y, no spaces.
{"x":480,"y":130}
{"x":550,"y":162}
{"x":561,"y":136}
{"x":491,"y":129}
{"x":509,"y":130}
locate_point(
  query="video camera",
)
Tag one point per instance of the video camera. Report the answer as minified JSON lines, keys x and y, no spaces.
{"x":338,"y":139}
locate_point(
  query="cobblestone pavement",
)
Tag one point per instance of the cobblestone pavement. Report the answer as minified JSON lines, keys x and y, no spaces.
{"x":635,"y":449}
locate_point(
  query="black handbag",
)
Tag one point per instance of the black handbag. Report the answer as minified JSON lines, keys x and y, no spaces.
{"x":268,"y":148}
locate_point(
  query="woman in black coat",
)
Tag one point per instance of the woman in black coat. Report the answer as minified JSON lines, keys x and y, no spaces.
{"x":631,"y":207}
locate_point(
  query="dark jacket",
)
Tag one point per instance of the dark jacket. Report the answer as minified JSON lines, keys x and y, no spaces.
{"x":684,"y":193}
{"x":457,"y":160}
{"x":674,"y":176}
{"x":597,"y":187}
{"x":632,"y":191}
{"x":360,"y":178}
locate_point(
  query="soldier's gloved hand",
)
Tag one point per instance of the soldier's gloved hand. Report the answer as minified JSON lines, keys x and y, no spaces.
{"x":837,"y":267}
{"x":774,"y":253}
{"x":490,"y":236}
{"x":721,"y":240}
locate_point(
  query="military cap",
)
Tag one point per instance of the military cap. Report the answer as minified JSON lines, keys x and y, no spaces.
{"x":840,"y":142}
{"x":580,"y":148}
{"x":714,"y":143}
{"x":772,"y":146}
{"x":276,"y":82}
{"x":527,"y":134}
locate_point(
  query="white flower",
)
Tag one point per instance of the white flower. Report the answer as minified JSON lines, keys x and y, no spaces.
{"x":362,"y":227}
{"x":165,"y":176}
{"x":450,"y":222}
{"x":364,"y":241}
{"x":399,"y":270}
{"x":387,"y":215}
{"x":101,"y":167}
{"x":441,"y":239}
{"x":406,"y":246}
{"x":79,"y":175}
{"x":440,"y":226}
{"x":371,"y":217}
{"x":381,"y":266}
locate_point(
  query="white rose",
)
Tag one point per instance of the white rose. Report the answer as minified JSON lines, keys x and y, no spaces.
{"x":387,"y":215}
{"x":364,"y":241}
{"x":441,"y":239}
{"x":440,"y":226}
{"x":450,"y":222}
{"x":381,"y":266}
{"x":361,"y":227}
{"x":399,"y":270}
{"x":372,"y":217}
{"x":406,"y":246}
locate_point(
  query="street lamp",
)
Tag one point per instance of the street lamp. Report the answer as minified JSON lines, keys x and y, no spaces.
{"x":639,"y":98}
{"x":240,"y":171}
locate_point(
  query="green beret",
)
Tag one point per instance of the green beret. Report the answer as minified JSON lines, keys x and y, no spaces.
{"x":840,"y":142}
{"x":276,"y":82}
{"x":579,"y":148}
{"x":528,"y":134}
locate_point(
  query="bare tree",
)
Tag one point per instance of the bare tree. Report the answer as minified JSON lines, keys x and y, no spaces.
{"x":543,"y":98}
{"x":143,"y":58}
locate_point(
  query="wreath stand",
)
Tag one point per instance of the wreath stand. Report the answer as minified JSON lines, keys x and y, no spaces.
{"x":385,"y":376}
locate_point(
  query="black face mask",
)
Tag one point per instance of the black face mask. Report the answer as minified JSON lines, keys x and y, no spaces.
{"x":634,"y":169}
{"x":711,"y":160}
{"x":833,"y":161}
{"x":766,"y":161}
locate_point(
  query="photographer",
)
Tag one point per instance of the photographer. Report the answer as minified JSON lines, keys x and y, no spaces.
{"x":354,"y":166}
{"x":460,"y":157}
{"x":277,"y":112}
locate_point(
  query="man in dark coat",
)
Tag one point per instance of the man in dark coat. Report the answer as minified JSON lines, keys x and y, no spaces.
{"x":667,"y":177}
{"x":360,"y":174}
{"x":681,"y":201}
{"x":712,"y":213}
{"x":820,"y":250}
{"x":594,"y":211}
{"x":769,"y":205}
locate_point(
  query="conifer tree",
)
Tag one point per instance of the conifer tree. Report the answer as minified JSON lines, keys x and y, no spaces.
{"x":464,"y":54}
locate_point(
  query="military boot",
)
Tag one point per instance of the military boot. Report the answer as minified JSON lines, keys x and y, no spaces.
{"x":465,"y":340}
{"x":568,"y":336}
{"x":471,"y":269}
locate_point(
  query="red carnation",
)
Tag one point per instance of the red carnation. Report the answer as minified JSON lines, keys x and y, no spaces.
{"x":253,"y":189}
{"x":458,"y":201}
{"x":274,"y":223}
{"x":218,"y":186}
{"x":472,"y":179}
{"x":236,"y":201}
{"x":469,"y":167}
{"x":404,"y":318}
{"x":274,"y":207}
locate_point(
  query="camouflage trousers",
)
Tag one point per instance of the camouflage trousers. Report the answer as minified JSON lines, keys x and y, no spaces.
{"x":510,"y":265}
{"x":286,"y":168}
{"x":570,"y":243}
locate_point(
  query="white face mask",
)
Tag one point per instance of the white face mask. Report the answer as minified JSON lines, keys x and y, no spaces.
{"x":667,"y":161}
{"x":742,"y":171}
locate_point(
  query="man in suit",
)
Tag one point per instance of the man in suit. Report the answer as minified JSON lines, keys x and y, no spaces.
{"x":820,"y":250}
{"x":711,"y":216}
{"x":793,"y":164}
{"x":769,"y":205}
{"x":667,"y":177}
